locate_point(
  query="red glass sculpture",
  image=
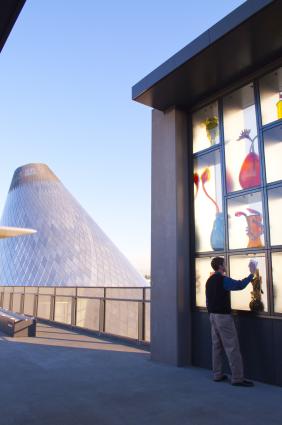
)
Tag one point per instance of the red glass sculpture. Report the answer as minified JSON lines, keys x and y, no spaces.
{"x":196,"y":183}
{"x":205,"y":177}
{"x":250,"y":170}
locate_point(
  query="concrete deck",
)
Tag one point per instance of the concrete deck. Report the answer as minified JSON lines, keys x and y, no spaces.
{"x":62,"y":377}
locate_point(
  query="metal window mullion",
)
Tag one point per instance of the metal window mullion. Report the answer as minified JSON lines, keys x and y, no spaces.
{"x":223,"y":178}
{"x":190,"y":184}
{"x":102,"y":313}
{"x":11,"y":301}
{"x":264,"y":191}
{"x":53,"y":305}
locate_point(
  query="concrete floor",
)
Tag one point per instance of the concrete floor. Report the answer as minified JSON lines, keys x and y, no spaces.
{"x":61,"y":377}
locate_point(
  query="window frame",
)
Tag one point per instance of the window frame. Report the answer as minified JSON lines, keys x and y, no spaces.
{"x":267,"y":250}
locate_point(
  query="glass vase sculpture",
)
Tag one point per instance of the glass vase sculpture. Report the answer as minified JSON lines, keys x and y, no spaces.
{"x":256,"y":303}
{"x":255,"y":227}
{"x":249,"y":175}
{"x":196,"y":184}
{"x":212,"y":129}
{"x":279,"y":106}
{"x":217,"y":233}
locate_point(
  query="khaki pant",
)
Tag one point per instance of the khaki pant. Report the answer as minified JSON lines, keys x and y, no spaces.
{"x":224,"y":337}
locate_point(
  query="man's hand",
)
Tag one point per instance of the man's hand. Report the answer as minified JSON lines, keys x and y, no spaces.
{"x":252,"y":266}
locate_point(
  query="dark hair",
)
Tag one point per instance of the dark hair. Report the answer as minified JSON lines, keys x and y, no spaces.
{"x":216,"y":262}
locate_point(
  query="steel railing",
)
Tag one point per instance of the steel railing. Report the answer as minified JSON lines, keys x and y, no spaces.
{"x":119,"y":311}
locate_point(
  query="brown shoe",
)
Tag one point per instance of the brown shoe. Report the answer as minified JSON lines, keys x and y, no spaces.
{"x":222,"y":378}
{"x":244,"y":383}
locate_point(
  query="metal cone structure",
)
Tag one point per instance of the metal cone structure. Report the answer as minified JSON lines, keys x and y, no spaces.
{"x":68,"y":249}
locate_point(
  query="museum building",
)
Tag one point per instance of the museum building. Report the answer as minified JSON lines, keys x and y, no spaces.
{"x":68,"y":248}
{"x":217,"y":187}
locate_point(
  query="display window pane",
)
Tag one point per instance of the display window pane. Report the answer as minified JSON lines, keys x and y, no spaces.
{"x":271,"y":96}
{"x":254,"y":296}
{"x":203,"y":272}
{"x":240,"y":138}
{"x":275,"y":208}
{"x":273,"y":153}
{"x":245,"y":221}
{"x":205,"y":127}
{"x":209,"y":219}
{"x":277,"y":282}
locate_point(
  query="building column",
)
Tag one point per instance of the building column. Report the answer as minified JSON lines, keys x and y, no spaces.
{"x":170,"y":248}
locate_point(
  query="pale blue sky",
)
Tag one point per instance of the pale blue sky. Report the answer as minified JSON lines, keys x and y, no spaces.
{"x":65,"y":79}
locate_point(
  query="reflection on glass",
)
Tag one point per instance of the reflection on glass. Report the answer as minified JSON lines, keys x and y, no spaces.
{"x":271,"y":96}
{"x":203,"y":272}
{"x":245,"y":221}
{"x":254,"y":296}
{"x":273,"y":153}
{"x":205,"y":127}
{"x":209,"y":220}
{"x":277,"y":282}
{"x":241,"y":144}
{"x":275,"y":208}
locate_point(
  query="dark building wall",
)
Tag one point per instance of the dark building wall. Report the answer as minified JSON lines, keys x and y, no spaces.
{"x":260,"y":341}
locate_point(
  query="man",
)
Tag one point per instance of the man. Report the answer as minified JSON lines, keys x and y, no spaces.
{"x":223,"y":331}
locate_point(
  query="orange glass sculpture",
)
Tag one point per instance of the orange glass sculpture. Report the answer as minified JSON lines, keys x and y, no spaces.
{"x":249,"y":175}
{"x":255,"y":227}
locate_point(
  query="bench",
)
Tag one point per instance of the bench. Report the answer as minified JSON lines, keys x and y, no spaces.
{"x":16,"y":325}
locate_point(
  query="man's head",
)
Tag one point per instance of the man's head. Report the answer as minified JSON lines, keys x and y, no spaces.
{"x":218,"y":264}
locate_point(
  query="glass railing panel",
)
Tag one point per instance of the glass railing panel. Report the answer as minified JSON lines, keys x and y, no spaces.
{"x":29,"y":304}
{"x":17,"y":303}
{"x":90,"y":292}
{"x":87,"y":313}
{"x":6,"y":300}
{"x":44,"y":306}
{"x":31,"y":289}
{"x":125,"y":293}
{"x":46,"y":290}
{"x":147,"y":322}
{"x":63,"y":309}
{"x":65,"y":291}
{"x":122,"y":318}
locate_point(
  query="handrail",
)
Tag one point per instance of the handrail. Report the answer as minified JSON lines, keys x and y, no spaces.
{"x":99,"y":313}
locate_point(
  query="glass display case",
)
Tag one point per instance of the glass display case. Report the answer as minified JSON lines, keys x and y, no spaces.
{"x":209,"y":220}
{"x":273,"y":153}
{"x":246,"y":157}
{"x":254,"y":296}
{"x":205,"y":127}
{"x":277,"y":283}
{"x":275,"y":208}
{"x":245,"y":221}
{"x":203,"y":272}
{"x":271,"y":96}
{"x":241,"y":141}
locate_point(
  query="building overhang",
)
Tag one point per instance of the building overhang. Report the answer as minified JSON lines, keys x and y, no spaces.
{"x":248,"y":38}
{"x":9,"y":12}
